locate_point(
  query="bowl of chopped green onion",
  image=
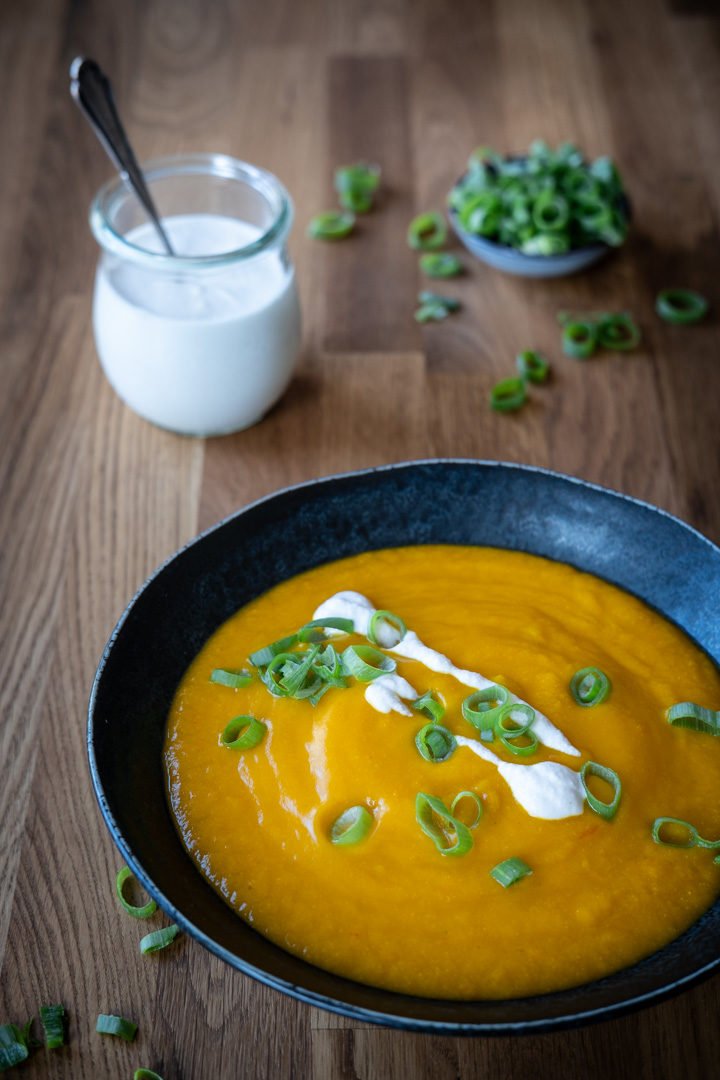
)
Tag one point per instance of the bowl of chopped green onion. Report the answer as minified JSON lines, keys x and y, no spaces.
{"x":547,"y":213}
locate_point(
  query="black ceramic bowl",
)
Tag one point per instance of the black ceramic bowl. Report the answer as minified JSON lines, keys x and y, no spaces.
{"x":635,"y":546}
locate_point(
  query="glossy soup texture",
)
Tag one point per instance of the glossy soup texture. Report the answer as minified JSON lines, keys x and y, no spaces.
{"x":393,"y":911}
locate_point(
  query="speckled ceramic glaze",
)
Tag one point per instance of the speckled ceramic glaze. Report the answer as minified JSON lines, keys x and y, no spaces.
{"x":628,"y":543}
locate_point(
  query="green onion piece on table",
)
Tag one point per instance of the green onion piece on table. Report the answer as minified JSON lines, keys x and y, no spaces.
{"x":52,"y":1018}
{"x":116,"y":1025}
{"x":332,"y":225}
{"x":146,"y":1074}
{"x":159,"y":939}
{"x":427,"y":232}
{"x":606,"y":810}
{"x":429,"y":706}
{"x":386,"y":621}
{"x":142,"y":911}
{"x":435,"y":743}
{"x":463,"y":796}
{"x":618,"y":333}
{"x":482,"y":708}
{"x":510,"y":871}
{"x":448,"y":834}
{"x":590,"y":686}
{"x":234,"y":679}
{"x":356,"y":185}
{"x":442,"y":265}
{"x":449,"y":302}
{"x":532,"y":366}
{"x":694,"y":717}
{"x":579,"y":339}
{"x":431,"y":313}
{"x":681,"y":306}
{"x":365,"y":663}
{"x":508,"y":395}
{"x":352,"y":826}
{"x":14,"y":1047}
{"x":264,"y":656}
{"x":243,"y":733}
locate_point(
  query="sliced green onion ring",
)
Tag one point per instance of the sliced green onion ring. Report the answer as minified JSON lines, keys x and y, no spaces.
{"x":508,"y":395}
{"x":590,"y":686}
{"x":234,"y":679}
{"x":663,"y":822}
{"x":686,"y":714}
{"x":328,"y":665}
{"x":532,"y":366}
{"x":604,"y":809}
{"x":346,"y":626}
{"x":449,"y":302}
{"x":116,"y":1025}
{"x":356,"y":185}
{"x":352,"y":826}
{"x":142,"y":911}
{"x":159,"y":939}
{"x":579,"y":339}
{"x":366,"y":663}
{"x":427,"y":232}
{"x":263,"y":656}
{"x":475,"y":800}
{"x":618,"y":333}
{"x":510,"y":871}
{"x":521,"y":729}
{"x":243,"y":733}
{"x":440,"y":265}
{"x":13,"y":1045}
{"x":681,"y":306}
{"x":332,"y":225}
{"x":52,"y":1018}
{"x":429,"y":706}
{"x":431,"y":313}
{"x":448,"y":834}
{"x":379,"y":621}
{"x":478,"y":709}
{"x":146,"y":1074}
{"x":435,"y":743}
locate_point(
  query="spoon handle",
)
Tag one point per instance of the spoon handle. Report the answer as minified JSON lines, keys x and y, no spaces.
{"x":91,"y":89}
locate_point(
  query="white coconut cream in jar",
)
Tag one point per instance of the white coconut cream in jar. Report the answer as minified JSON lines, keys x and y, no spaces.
{"x":205,"y":341}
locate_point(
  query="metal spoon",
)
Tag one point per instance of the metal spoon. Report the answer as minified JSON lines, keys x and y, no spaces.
{"x":91,"y":89}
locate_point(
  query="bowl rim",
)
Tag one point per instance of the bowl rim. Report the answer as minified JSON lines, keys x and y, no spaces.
{"x":565,"y":1020}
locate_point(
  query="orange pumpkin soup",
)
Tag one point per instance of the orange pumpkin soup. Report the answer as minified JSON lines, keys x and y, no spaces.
{"x":328,"y":818}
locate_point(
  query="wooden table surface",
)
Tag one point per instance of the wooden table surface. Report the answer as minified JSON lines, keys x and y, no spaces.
{"x":93,"y":498}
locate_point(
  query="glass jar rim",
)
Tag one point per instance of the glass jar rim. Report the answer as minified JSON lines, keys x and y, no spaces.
{"x":218,"y":165}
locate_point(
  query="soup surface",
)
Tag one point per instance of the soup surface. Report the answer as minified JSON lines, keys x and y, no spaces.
{"x":396,"y":909}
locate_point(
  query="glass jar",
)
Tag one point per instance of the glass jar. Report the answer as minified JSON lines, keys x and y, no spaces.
{"x":202,"y":342}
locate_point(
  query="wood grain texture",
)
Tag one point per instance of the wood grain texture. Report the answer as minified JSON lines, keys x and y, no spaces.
{"x":92,"y":498}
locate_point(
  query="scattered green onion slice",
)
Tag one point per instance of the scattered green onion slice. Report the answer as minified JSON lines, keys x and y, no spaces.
{"x":379,"y":621}
{"x":347,"y":626}
{"x":579,"y":339}
{"x":159,"y":939}
{"x":143,"y":911}
{"x":427,"y":232}
{"x":263,"y":656}
{"x":52,"y":1018}
{"x":520,"y":749}
{"x":509,"y":871}
{"x":604,"y":809}
{"x":146,"y":1074}
{"x":234,"y":679}
{"x":435,"y":743}
{"x":287,"y":674}
{"x":13,"y":1045}
{"x":532,"y":366}
{"x":618,"y":333}
{"x":440,"y":265}
{"x":365,"y":663}
{"x":352,"y":826}
{"x":429,"y":706}
{"x":332,"y":225}
{"x":448,"y":834}
{"x":590,"y":686}
{"x":521,"y":729}
{"x":356,"y":185}
{"x":681,"y":306}
{"x":691,"y":839}
{"x":431,"y":313}
{"x":243,"y":732}
{"x":328,"y":665}
{"x":449,"y":302}
{"x":478,"y":708}
{"x":475,"y":800}
{"x":116,"y":1025}
{"x":688,"y":715}
{"x":508,"y":395}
